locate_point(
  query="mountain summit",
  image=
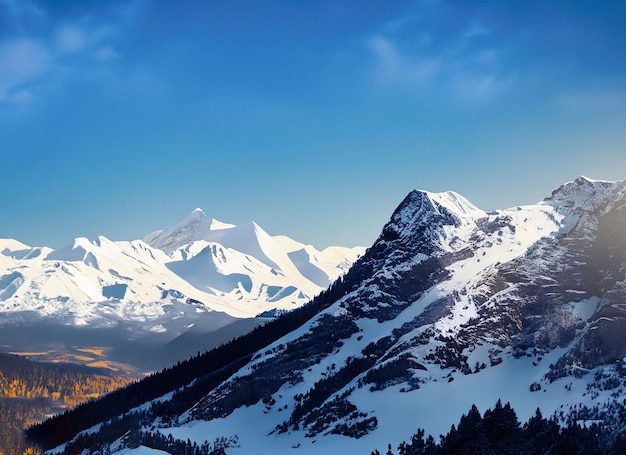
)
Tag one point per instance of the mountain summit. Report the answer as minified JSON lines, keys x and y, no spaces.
{"x":196,"y":226}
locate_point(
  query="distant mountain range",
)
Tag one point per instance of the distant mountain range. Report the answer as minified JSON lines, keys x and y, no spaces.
{"x":194,"y":278}
{"x":451,"y":306}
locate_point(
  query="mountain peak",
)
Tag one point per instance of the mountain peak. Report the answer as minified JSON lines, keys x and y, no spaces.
{"x":195,"y":226}
{"x":196,"y":215}
{"x":422,"y":210}
{"x":583,"y":192}
{"x":198,"y":212}
{"x":581,"y":179}
{"x":456,"y":204}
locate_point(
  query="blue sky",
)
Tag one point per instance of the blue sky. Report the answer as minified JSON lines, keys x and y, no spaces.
{"x":312,"y":118}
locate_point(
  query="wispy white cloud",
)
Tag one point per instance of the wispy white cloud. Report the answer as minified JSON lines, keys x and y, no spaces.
{"x":465,"y":62}
{"x":27,"y":63}
{"x":479,"y":75}
{"x":476,"y":29}
{"x":22,"y":62}
{"x":32,"y":59}
{"x":107,"y":53}
{"x":394,"y":67}
{"x":70,"y":39}
{"x":480,"y":87}
{"x":472,"y":77}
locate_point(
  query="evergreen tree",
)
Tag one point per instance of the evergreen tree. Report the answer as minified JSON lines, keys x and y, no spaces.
{"x":502,"y":429}
{"x":498,"y":432}
{"x":540,"y":435}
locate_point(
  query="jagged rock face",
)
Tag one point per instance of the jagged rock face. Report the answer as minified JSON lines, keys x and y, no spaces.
{"x":445,"y":279}
{"x":566,"y":288}
{"x":568,"y":285}
{"x":422,"y":238}
{"x":535,"y":300}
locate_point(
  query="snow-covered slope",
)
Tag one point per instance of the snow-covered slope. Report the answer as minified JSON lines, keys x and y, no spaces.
{"x":239,"y":270}
{"x":320,"y":267}
{"x":452,"y":306}
{"x":245,"y":266}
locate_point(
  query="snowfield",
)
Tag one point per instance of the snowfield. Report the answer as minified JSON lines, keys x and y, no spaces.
{"x":238,"y":270}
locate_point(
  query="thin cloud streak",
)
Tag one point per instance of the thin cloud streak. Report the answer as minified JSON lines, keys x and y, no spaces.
{"x":437,"y":49}
{"x":22,"y":63}
{"x":396,"y":68}
{"x":472,"y":77}
{"x":34,"y":59}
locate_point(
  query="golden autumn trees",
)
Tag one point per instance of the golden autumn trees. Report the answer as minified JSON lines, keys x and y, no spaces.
{"x":31,"y":391}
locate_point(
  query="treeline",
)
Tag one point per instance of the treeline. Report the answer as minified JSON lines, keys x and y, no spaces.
{"x":158,"y":441}
{"x":211,"y":367}
{"x":100,"y":442}
{"x":31,"y":390}
{"x":65,"y":385}
{"x":499,"y":431}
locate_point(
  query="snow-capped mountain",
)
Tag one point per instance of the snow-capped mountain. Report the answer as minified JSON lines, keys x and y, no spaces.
{"x":196,"y":226}
{"x":451,"y":306}
{"x":197,"y":276}
{"x":239,"y":270}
